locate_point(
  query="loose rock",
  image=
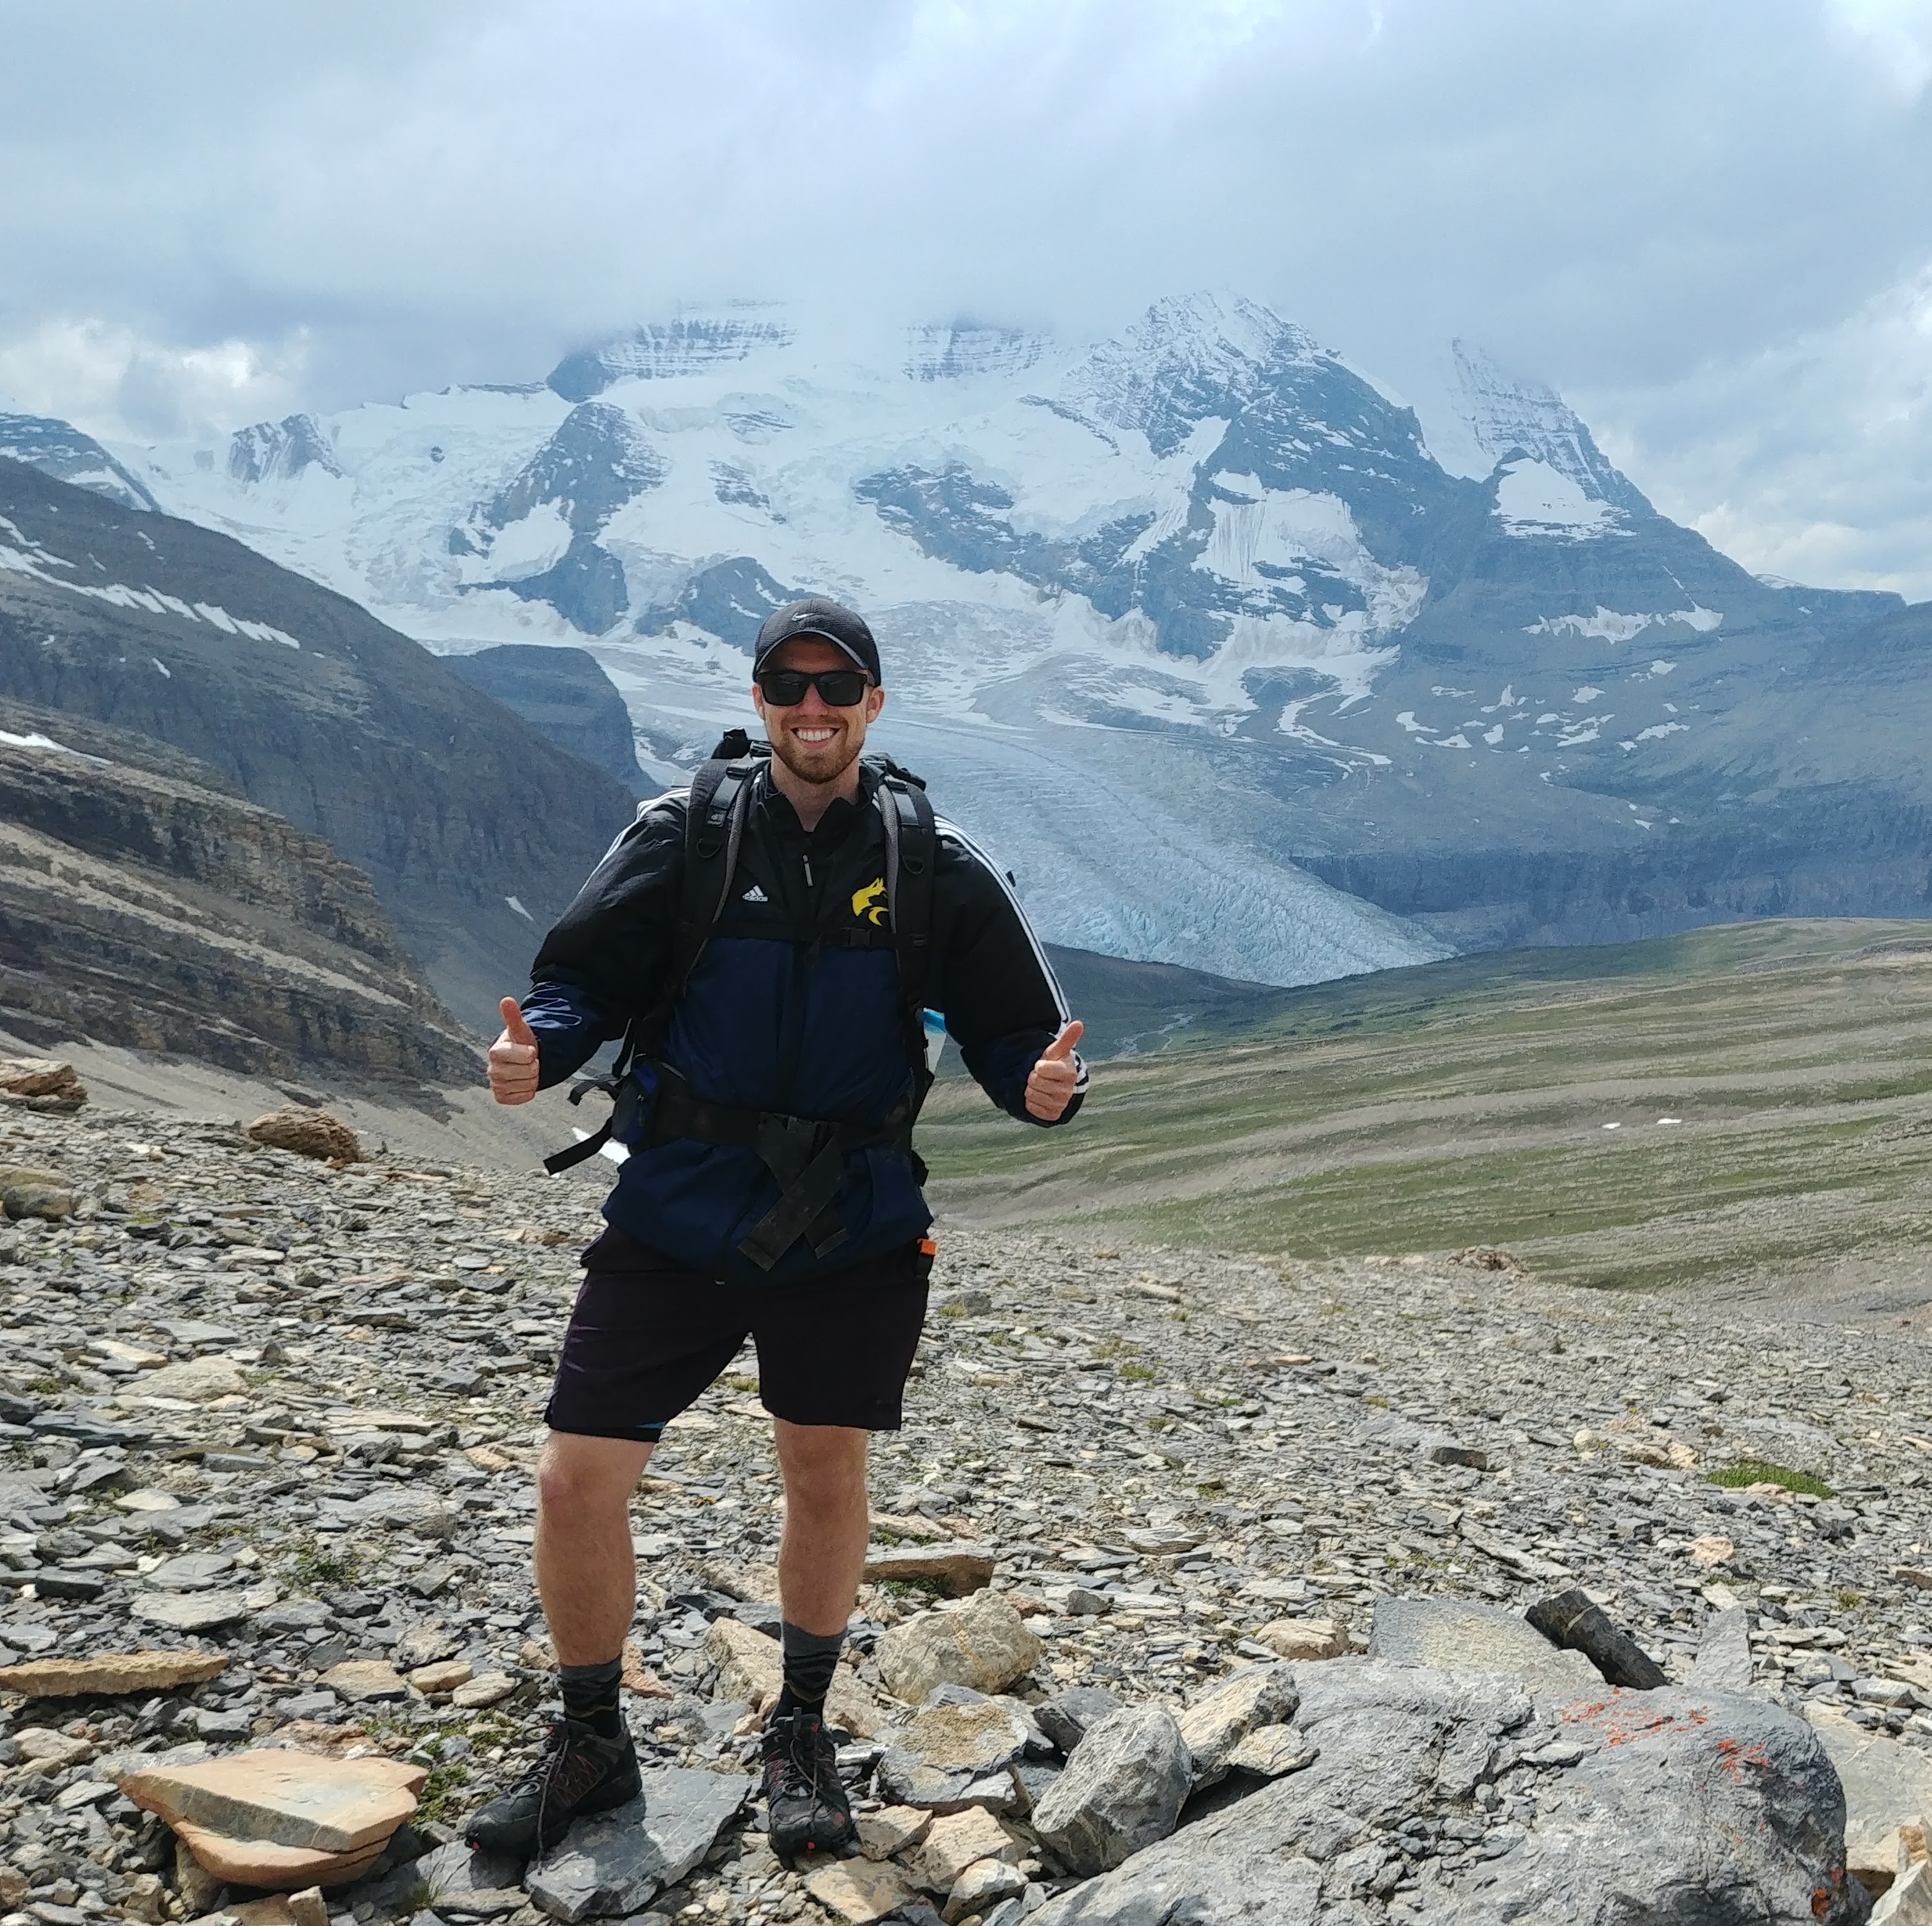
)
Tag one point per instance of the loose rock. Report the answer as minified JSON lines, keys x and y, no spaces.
{"x":1122,"y":1790}
{"x":308,"y":1134}
{"x":111,"y":1674}
{"x":983,"y":1643}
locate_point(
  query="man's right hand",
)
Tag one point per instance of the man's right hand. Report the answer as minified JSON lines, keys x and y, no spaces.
{"x":513,"y":1058}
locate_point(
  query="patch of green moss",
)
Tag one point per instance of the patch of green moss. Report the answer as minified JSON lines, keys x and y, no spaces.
{"x":1742,"y":1472}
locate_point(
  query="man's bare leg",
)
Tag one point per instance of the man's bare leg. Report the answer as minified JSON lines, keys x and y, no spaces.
{"x":587,"y":1580}
{"x":827,"y":1521}
{"x":587,"y":1575}
{"x":820,"y":1558}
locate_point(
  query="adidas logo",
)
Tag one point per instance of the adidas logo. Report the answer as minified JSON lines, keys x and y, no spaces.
{"x":754,"y":894}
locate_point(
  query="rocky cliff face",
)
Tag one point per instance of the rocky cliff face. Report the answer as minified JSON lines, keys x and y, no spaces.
{"x":566,"y":698}
{"x":474,"y":830}
{"x":144,"y":903}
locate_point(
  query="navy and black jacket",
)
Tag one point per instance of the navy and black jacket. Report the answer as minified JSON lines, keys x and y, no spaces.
{"x":773,"y":1019}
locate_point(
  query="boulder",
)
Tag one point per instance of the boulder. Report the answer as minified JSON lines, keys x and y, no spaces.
{"x":1123,"y":1790}
{"x":1886,"y":1784}
{"x":42,"y":1077}
{"x":1270,"y":1750}
{"x":1302,"y":1640}
{"x":982,"y":1642}
{"x":195,"y":1380}
{"x":959,"y":1569}
{"x":1220,"y":1719}
{"x":1446,"y":1632}
{"x":618,"y":1862}
{"x":26,"y":1192}
{"x":308,"y":1134}
{"x":956,"y":1843}
{"x":1655,"y":1806}
{"x":111,"y":1673}
{"x":945,"y":1751}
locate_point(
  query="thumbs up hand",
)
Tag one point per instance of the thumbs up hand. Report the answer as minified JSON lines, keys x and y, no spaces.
{"x":1050,"y":1088}
{"x":513,"y":1058}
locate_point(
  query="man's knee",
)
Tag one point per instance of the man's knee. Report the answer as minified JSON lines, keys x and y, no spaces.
{"x":587,"y":1479}
{"x":824,"y":1465}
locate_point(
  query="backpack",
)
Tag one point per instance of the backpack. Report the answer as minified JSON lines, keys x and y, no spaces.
{"x":650,"y":1101}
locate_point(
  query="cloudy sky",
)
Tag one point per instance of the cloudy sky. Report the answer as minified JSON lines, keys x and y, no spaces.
{"x":1710,"y":226}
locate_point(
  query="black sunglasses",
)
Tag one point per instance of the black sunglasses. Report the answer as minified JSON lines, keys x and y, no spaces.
{"x":838,"y":688}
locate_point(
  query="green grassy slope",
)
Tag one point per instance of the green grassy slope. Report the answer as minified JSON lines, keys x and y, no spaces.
{"x":1467,"y":1102}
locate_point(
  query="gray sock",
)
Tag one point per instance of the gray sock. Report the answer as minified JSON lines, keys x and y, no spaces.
{"x":811,"y":1664}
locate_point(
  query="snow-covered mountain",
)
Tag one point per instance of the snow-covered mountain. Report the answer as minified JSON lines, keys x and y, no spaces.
{"x":1191,"y":624}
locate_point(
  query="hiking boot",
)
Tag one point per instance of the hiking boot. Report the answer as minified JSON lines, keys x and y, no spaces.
{"x":579,"y":1772}
{"x":805,"y":1804}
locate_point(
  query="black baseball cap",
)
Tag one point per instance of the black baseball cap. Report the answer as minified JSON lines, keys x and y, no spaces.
{"x":829,"y":622}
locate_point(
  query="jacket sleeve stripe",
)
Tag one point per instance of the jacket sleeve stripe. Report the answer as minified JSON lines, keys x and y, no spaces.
{"x":999,"y":876}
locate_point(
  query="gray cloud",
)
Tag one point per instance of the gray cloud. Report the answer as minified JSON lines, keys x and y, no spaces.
{"x":1704,"y":224}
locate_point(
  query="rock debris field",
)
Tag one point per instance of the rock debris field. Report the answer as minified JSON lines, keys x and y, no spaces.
{"x":1196,"y":1595}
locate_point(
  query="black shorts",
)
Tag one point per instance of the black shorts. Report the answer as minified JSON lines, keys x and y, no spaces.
{"x":647,"y":1337}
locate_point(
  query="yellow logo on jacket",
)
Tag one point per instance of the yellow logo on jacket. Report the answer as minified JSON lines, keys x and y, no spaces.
{"x":870,"y":903}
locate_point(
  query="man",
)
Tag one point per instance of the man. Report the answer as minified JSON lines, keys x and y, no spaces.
{"x":792,"y":1010}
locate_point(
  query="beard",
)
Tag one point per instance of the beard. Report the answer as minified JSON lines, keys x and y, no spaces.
{"x":819,"y":762}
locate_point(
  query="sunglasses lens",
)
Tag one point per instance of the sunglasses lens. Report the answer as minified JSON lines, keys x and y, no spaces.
{"x":841,"y":688}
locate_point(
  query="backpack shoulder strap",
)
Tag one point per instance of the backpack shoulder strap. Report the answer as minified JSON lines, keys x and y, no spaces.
{"x":912,"y":851}
{"x":714,"y":831}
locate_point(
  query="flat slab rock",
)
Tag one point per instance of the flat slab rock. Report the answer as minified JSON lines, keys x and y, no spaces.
{"x":111,"y":1673}
{"x":1676,"y":1807}
{"x":283,"y":1799}
{"x":618,"y":1862}
{"x":1447,"y":1633}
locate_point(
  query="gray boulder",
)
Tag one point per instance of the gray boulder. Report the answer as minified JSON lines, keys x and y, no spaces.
{"x":1217,"y":1722}
{"x":1123,"y":1790}
{"x":1447,"y":1632}
{"x":1665,"y":1808}
{"x":1724,"y":1653}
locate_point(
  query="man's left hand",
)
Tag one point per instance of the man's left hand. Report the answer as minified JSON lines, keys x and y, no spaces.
{"x":1050,"y":1088}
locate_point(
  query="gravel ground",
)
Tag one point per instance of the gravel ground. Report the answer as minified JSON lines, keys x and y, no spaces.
{"x":1167,"y":1449}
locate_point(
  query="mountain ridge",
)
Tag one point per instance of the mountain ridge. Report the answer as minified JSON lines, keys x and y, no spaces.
{"x":1190,"y":625}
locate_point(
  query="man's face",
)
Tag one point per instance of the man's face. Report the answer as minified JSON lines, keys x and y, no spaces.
{"x":816,"y":742}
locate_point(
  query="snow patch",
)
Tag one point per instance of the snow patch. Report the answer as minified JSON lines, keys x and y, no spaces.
{"x":1533,"y":499}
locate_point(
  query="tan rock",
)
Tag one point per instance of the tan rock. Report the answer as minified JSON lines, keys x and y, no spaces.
{"x":1304,"y":1639}
{"x":358,"y":1679}
{"x":1271,"y":1751}
{"x":960,"y":1569}
{"x":751,"y":1667}
{"x":111,"y":1673}
{"x":291,"y":1799}
{"x":983,"y":1643}
{"x":198,"y":1888}
{"x":305,"y":1908}
{"x":958,"y":1841}
{"x":148,"y":1497}
{"x":980,"y":1888}
{"x":40,"y":1076}
{"x":308,"y":1134}
{"x":857,"y":1890}
{"x":445,"y":1676}
{"x":1711,"y":1550}
{"x":43,"y":1746}
{"x":976,"y":1738}
{"x":883,"y":1834}
{"x":14,"y":1885}
{"x":273,"y":1868}
{"x":26,"y":1192}
{"x":486,"y":1688}
{"x":195,"y":1380}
